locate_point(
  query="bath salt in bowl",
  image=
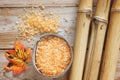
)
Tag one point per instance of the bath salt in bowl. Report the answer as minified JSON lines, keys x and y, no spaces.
{"x":52,"y":56}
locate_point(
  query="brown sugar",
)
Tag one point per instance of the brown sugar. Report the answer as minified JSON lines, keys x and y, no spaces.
{"x":52,"y":55}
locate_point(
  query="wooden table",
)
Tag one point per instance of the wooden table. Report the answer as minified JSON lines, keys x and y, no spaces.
{"x":10,"y":10}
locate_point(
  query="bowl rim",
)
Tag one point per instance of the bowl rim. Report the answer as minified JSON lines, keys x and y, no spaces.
{"x":34,"y":52}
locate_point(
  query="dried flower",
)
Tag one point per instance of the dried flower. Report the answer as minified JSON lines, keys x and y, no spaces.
{"x":17,"y":58}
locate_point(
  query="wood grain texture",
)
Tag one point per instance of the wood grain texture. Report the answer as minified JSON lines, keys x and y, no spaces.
{"x":36,"y":3}
{"x":29,"y":3}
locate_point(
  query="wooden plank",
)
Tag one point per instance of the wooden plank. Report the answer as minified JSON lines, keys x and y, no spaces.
{"x":9,"y":17}
{"x":29,"y":74}
{"x":36,"y":3}
{"x":7,"y":39}
{"x":29,"y":3}
{"x":53,"y":10}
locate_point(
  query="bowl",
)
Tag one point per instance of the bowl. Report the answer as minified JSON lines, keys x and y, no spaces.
{"x":34,"y":52}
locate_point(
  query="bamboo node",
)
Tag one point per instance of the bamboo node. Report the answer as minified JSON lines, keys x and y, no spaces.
{"x":89,"y":14}
{"x":101,"y":19}
{"x":85,"y":10}
{"x":115,"y":10}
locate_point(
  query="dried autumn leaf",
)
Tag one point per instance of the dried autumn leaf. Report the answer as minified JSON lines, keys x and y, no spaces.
{"x":16,"y":69}
{"x":18,"y":58}
{"x":19,"y":48}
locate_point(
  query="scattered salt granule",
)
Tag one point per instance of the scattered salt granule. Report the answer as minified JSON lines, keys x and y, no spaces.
{"x":35,"y":23}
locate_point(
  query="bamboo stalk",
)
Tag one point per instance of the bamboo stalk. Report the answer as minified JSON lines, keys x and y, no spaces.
{"x":96,"y":48}
{"x":112,"y":47}
{"x":89,"y":53}
{"x":97,"y":51}
{"x":81,"y":38}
